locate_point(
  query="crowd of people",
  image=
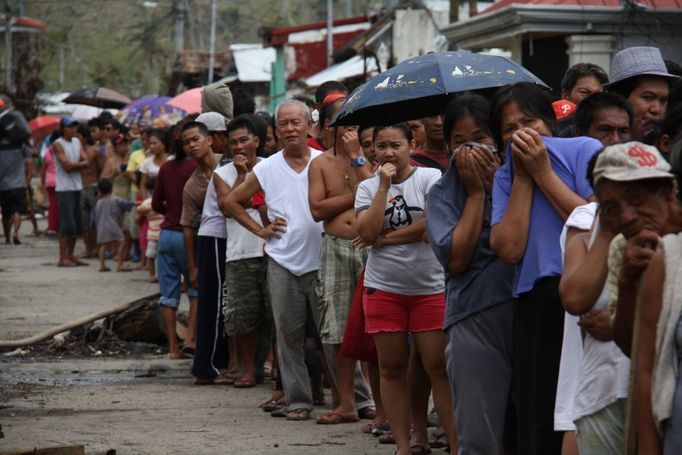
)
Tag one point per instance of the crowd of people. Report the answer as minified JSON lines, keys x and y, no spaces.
{"x":514,"y":257}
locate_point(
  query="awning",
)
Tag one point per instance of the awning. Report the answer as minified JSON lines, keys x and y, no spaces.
{"x":253,"y":62}
{"x":353,"y":67}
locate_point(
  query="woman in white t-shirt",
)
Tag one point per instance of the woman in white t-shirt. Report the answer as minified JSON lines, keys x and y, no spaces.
{"x":157,"y":156}
{"x":404,"y":282}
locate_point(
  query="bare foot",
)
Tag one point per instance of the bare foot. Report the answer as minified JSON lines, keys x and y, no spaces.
{"x":276,"y":396}
{"x":104,"y":269}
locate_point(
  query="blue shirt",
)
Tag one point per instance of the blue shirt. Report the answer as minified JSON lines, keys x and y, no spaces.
{"x":569,"y":158}
{"x":486,"y":281}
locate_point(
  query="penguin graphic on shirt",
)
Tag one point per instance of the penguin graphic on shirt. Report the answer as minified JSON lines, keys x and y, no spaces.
{"x":399,"y":212}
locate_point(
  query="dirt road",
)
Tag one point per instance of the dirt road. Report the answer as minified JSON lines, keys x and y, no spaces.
{"x":141,"y":405}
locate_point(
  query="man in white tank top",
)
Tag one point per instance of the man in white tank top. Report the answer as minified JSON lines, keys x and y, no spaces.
{"x":70,"y":159}
{"x":292,"y":242}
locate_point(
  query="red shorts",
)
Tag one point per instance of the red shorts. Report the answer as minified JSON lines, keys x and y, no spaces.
{"x":387,"y":312}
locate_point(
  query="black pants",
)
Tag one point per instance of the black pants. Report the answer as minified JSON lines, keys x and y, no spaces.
{"x":538,"y":335}
{"x":211,"y":353}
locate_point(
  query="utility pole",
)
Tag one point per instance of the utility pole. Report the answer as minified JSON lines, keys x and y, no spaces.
{"x":9,"y":18}
{"x":211,"y":50}
{"x":179,"y":13}
{"x":330,"y":32}
{"x":61,"y":67}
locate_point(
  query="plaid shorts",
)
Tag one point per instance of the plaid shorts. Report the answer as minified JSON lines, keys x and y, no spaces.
{"x":340,"y":265}
{"x":248,"y":301}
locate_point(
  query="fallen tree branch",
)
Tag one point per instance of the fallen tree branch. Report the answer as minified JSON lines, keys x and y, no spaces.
{"x":11,"y":344}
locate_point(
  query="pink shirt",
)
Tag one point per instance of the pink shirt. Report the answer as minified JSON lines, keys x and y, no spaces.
{"x":51,"y":170}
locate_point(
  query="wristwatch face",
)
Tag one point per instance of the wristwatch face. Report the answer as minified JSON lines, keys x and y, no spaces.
{"x":359,"y":161}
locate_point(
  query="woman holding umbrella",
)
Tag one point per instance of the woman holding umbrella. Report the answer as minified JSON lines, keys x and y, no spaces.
{"x":534,"y":192}
{"x":404,"y":287}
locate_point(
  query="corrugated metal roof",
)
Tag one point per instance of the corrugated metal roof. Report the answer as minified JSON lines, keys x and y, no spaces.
{"x":654,"y":4}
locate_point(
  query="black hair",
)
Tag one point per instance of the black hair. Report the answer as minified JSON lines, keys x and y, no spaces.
{"x":531,"y":99}
{"x":198,"y":125}
{"x":362,"y":128}
{"x":465,"y":105}
{"x":580,"y":70}
{"x":584,"y":113}
{"x":160,"y":134}
{"x":261,"y":131}
{"x":151,"y":180}
{"x":675,"y":95}
{"x":243,"y":102}
{"x":329,"y":87}
{"x":96,"y":122}
{"x":54,"y":136}
{"x":672,"y":123}
{"x":673,"y":67}
{"x":243,"y":121}
{"x":84,"y":130}
{"x":104,"y":186}
{"x":402,"y":126}
{"x":115,"y":124}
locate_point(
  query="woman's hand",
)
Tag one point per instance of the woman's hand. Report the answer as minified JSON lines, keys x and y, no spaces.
{"x":467,"y":170}
{"x":530,"y":149}
{"x":388,"y":172}
{"x":487,"y":163}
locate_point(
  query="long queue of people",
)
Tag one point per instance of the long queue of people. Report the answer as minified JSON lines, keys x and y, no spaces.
{"x":513,"y":257}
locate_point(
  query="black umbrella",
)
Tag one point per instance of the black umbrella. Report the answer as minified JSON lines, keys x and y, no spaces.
{"x":101,"y":97}
{"x":421,"y":86}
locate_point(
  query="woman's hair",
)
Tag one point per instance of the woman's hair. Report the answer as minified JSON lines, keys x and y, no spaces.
{"x":462,"y":106}
{"x":160,"y":134}
{"x":402,"y":126}
{"x":532,"y":100}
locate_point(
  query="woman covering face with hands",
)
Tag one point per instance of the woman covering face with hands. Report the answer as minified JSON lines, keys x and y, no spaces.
{"x":404,"y":289}
{"x":479,"y":309}
{"x":542,"y":181}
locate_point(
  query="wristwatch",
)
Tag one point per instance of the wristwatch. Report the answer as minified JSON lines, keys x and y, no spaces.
{"x":359,"y":161}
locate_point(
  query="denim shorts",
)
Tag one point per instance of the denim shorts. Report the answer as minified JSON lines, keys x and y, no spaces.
{"x":171,"y":265}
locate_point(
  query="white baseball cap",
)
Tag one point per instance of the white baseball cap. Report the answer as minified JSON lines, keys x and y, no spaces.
{"x":630,"y":161}
{"x":213,"y":121}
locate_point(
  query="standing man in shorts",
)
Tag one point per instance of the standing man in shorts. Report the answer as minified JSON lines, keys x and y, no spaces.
{"x":15,"y":161}
{"x":333,"y":178}
{"x":292,"y":242}
{"x":89,"y":176}
{"x":70,"y":159}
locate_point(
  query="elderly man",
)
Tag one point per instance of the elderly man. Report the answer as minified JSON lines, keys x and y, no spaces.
{"x":640,"y":76}
{"x":292,"y":242}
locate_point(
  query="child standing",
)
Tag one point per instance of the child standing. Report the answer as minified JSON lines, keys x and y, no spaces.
{"x":153,"y":226}
{"x":109,"y":213}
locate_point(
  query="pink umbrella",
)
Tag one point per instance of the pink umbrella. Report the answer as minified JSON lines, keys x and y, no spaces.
{"x":189,"y":101}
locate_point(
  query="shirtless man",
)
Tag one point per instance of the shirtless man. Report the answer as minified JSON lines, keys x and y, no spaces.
{"x":89,"y":176}
{"x":333,"y":179}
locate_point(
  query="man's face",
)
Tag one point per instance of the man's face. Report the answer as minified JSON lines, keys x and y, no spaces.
{"x":70,"y":131}
{"x":649,"y":101}
{"x":584,"y":87}
{"x":195,"y":144}
{"x":95,"y":133}
{"x":629,"y":207}
{"x":110,"y":132}
{"x":434,"y":128}
{"x":292,"y":126}
{"x":242,"y":142}
{"x":610,"y":125}
{"x":418,"y":131}
{"x":367,"y":144}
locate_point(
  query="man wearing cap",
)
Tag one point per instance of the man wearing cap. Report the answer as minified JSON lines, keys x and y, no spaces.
{"x":70,"y":159}
{"x":194,"y":136}
{"x":639,"y":75}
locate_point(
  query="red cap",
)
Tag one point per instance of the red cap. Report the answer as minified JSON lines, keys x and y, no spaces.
{"x":563,"y":108}
{"x":329,"y":99}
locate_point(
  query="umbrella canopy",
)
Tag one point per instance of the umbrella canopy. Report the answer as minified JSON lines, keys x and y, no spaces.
{"x":151,"y":111}
{"x":189,"y":101}
{"x":99,"y":97}
{"x":421,"y":86}
{"x":43,"y":125}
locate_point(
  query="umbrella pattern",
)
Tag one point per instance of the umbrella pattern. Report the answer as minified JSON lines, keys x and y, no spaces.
{"x":421,"y":86}
{"x":151,"y":111}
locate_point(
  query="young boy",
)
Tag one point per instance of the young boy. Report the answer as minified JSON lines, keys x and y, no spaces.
{"x":154,"y":220}
{"x":108,"y":220}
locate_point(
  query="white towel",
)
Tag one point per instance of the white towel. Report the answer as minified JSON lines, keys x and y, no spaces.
{"x":664,"y":377}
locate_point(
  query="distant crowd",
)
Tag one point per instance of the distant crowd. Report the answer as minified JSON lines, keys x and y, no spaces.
{"x":516,"y":257}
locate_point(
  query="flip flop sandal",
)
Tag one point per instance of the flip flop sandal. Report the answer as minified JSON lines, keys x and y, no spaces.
{"x":438,"y":440}
{"x":188,"y":352}
{"x":279,"y":411}
{"x":380,"y":428}
{"x":387,"y":438}
{"x":298,"y":415}
{"x":367,"y":413}
{"x":418,"y":449}
{"x":244,"y":384}
{"x":273,"y":404}
{"x":334,"y":418}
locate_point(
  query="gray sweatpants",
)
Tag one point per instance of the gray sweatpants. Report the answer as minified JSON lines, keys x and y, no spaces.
{"x":291,"y":297}
{"x":478,"y":357}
